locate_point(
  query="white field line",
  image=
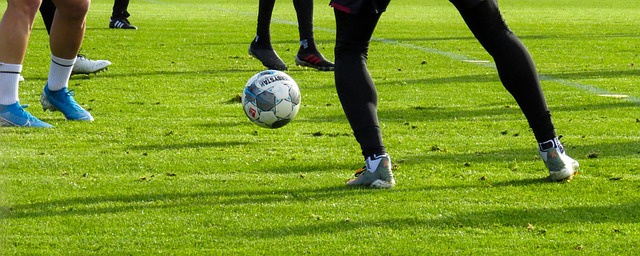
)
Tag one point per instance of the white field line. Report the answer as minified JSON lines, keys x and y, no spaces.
{"x":488,"y":64}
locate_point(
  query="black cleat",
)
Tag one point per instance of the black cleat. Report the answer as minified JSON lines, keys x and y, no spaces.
{"x":268,"y":57}
{"x":314,"y":60}
{"x":121,"y":23}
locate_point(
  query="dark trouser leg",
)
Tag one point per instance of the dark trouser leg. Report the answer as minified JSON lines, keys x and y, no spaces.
{"x":354,"y":85}
{"x":304,"y":11}
{"x":515,"y":66}
{"x":263,"y":33}
{"x":120,"y":9}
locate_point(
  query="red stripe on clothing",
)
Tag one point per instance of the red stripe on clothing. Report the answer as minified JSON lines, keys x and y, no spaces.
{"x":341,"y":7}
{"x":312,"y":59}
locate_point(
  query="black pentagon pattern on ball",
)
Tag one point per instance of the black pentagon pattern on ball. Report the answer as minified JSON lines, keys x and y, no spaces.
{"x":280,"y":123}
{"x":266,"y":101}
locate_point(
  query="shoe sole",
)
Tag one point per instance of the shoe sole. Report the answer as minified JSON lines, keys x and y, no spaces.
{"x":303,"y":63}
{"x":89,"y":73}
{"x":46,"y":105}
{"x":565,"y":176}
{"x":382,"y":184}
{"x":375,"y":184}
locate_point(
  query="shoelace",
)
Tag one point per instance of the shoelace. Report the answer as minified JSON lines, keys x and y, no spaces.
{"x":72,"y":101}
{"x":75,"y":104}
{"x":360,"y":171}
{"x":30,"y":117}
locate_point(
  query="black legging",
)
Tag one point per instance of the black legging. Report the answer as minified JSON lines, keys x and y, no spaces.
{"x":120,"y":10}
{"x":304,"y":12}
{"x":354,"y":85}
{"x":357,"y":91}
{"x":515,"y":66}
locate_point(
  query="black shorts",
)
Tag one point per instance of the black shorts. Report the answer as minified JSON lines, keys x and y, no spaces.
{"x":360,"y":6}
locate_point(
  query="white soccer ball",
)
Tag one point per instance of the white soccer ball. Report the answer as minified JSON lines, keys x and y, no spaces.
{"x":271,"y":99}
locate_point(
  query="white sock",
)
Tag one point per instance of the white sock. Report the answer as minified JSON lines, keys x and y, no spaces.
{"x":59,"y":73}
{"x":9,"y":77}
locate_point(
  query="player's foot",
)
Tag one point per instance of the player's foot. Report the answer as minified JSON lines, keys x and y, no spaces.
{"x":15,"y":115}
{"x":20,"y":78}
{"x":376,"y":173}
{"x":62,"y":100}
{"x":86,"y":66}
{"x":314,"y":60}
{"x":121,"y":23}
{"x":268,"y":57}
{"x":561,"y":167}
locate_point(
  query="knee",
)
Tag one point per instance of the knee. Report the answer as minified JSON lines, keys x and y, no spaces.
{"x":24,"y":7}
{"x":74,"y":9}
{"x":351,"y":48}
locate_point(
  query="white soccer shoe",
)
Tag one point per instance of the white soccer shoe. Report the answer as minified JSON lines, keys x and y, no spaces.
{"x":561,"y":167}
{"x":86,"y":66}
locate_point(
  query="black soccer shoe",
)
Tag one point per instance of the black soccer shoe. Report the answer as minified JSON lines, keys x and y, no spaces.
{"x":314,"y":60}
{"x":121,"y":23}
{"x":268,"y":57}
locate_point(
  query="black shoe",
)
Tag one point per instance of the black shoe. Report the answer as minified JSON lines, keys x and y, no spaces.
{"x":121,"y":23}
{"x":314,"y":60}
{"x":268,"y":57}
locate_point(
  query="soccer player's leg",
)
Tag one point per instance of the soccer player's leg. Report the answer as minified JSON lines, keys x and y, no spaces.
{"x":15,"y":28}
{"x":66,"y":38}
{"x":358,"y":96}
{"x":519,"y":76}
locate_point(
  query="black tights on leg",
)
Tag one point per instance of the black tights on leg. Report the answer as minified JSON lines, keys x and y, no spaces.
{"x":513,"y":61}
{"x":354,"y":85}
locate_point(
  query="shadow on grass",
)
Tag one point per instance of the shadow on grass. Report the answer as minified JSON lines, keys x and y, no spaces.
{"x":576,"y":150}
{"x":126,"y":202}
{"x":626,"y":213}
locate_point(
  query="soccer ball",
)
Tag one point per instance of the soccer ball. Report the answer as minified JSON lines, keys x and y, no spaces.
{"x":271,"y":99}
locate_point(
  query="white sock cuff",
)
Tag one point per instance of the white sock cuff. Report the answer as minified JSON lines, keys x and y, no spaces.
{"x":62,"y":62}
{"x":10,"y":68}
{"x":9,"y":78}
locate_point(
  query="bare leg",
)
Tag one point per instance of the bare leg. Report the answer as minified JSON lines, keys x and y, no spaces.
{"x":15,"y":29}
{"x":67,"y":30}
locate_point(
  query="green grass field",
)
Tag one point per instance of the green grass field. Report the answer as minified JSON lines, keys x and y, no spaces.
{"x":171,"y":166}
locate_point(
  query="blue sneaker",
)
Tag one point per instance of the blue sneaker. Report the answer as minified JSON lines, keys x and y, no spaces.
{"x":63,"y":101}
{"x":15,"y":115}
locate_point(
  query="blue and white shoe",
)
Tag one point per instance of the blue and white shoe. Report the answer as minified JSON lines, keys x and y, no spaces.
{"x":63,"y":101}
{"x":15,"y":115}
